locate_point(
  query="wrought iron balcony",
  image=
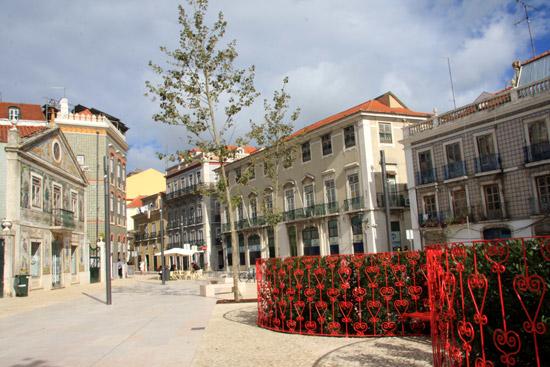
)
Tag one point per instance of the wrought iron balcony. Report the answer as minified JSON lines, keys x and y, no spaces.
{"x":487,"y":163}
{"x":63,"y":218}
{"x":430,"y":220}
{"x":355,"y":203}
{"x":293,"y":214}
{"x":397,"y":200}
{"x":537,"y":152}
{"x":426,"y":176}
{"x":454,"y":170}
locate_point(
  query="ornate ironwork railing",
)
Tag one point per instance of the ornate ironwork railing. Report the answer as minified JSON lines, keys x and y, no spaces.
{"x":63,"y":218}
{"x":343,"y":295}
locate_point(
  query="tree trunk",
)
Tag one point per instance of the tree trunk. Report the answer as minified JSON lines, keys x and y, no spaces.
{"x":234,"y":239}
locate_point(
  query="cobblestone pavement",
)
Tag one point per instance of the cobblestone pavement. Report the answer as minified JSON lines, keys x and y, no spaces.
{"x":233,"y":339}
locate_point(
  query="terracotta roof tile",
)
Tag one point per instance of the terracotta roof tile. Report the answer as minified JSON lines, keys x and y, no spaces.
{"x":24,"y":131}
{"x":374,"y":105}
{"x":136,"y":202}
{"x":32,"y":112}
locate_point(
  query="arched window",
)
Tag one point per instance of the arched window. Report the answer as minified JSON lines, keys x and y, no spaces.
{"x":310,"y":239}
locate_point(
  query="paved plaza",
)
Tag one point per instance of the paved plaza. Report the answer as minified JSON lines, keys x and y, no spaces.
{"x":153,"y":325}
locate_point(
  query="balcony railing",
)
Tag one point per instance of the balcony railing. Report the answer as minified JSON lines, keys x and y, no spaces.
{"x":537,"y":152}
{"x":189,"y":190}
{"x":293,"y":214}
{"x":397,"y":200}
{"x":430,"y":220}
{"x":426,"y":177}
{"x":63,"y":218}
{"x":355,"y":203}
{"x":487,"y":163}
{"x":454,"y":170}
{"x":506,"y":97}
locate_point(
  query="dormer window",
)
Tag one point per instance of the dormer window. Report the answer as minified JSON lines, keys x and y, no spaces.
{"x":13,"y":113}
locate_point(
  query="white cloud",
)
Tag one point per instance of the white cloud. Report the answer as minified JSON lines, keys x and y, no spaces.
{"x":337,"y":54}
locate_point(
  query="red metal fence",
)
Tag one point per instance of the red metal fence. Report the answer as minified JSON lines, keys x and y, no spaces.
{"x":489,"y":303}
{"x":345,"y":295}
{"x":486,"y":301}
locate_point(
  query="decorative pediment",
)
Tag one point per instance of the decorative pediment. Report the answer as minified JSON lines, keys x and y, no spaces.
{"x":52,"y":148}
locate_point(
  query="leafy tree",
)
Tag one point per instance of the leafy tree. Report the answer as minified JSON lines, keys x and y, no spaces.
{"x":273,"y":135}
{"x":201,"y":89}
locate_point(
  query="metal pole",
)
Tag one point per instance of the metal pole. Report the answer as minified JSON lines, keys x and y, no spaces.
{"x":107,"y":232}
{"x":163,"y":260}
{"x":386,"y":197}
{"x":96,"y":186}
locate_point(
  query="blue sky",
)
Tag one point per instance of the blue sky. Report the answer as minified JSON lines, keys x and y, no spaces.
{"x":336,"y":54}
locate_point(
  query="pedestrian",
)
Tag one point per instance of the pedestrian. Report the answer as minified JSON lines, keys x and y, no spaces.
{"x":119,"y":265}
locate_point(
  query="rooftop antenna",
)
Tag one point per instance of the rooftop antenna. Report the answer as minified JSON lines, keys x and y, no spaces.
{"x":64,"y":90}
{"x":526,"y":19}
{"x":451,"y":78}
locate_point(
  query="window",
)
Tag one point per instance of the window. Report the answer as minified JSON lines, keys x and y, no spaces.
{"x":425,"y":164}
{"x":430,"y":206}
{"x":199,"y":213}
{"x":112,"y":168}
{"x":36,"y":193}
{"x":253,"y":208}
{"x":268,"y":199}
{"x":459,"y":204}
{"x":326,"y":143}
{"x":199,"y":177}
{"x":306,"y":152}
{"x":289,"y":199}
{"x":309,"y":199}
{"x":455,"y":167}
{"x":56,"y":151}
{"x":538,"y":146}
{"x":349,"y":136}
{"x":330,"y":193}
{"x":240,"y":211}
{"x":119,"y":174}
{"x":13,"y":113}
{"x":74,"y":203}
{"x":191,"y":181}
{"x":57,"y":197}
{"x":242,"y":255}
{"x":80,"y":159}
{"x":487,"y":159}
{"x":333,"y":236}
{"x":251,"y":171}
{"x":493,"y":206}
{"x":237,"y":174}
{"x":543,"y":192}
{"x":384,"y":132}
{"x":353,"y":185}
{"x":266,"y":168}
{"x":36,"y":260}
{"x":112,"y":202}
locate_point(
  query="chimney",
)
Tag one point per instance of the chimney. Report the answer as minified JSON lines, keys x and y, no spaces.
{"x":64,"y":107}
{"x":13,"y":137}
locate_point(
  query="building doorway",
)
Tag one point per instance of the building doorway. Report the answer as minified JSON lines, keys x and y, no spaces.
{"x":496,"y":233}
{"x":310,"y":238}
{"x":95,"y":263}
{"x":56,"y":263}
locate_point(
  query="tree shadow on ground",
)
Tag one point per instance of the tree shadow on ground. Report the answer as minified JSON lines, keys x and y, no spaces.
{"x":29,"y":362}
{"x":383,"y":352}
{"x":246,"y":315}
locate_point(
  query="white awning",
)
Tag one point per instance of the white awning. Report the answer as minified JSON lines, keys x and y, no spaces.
{"x":177,"y":251}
